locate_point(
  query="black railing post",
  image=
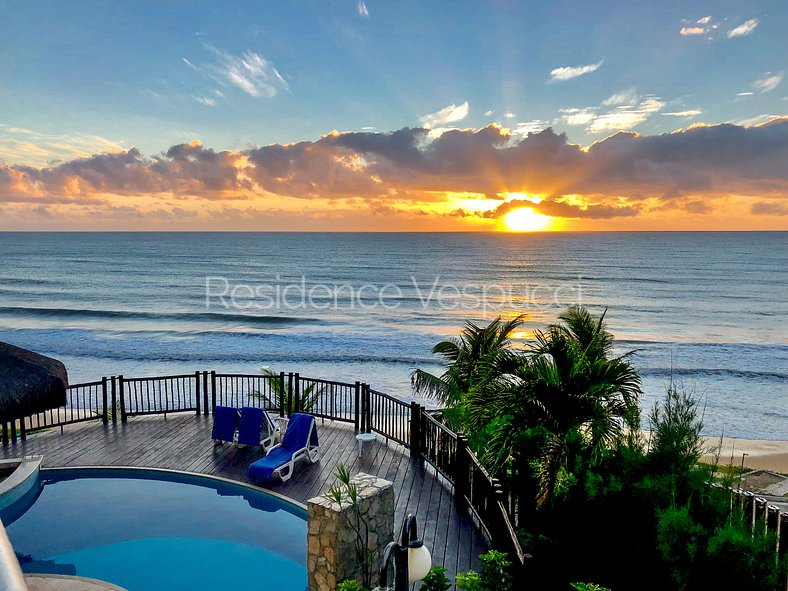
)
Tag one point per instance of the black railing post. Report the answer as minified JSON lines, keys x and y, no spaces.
{"x":414,"y":430}
{"x":282,"y":393}
{"x":363,"y":409}
{"x":13,"y":430}
{"x":357,"y":407}
{"x":461,"y":467}
{"x":113,"y":402}
{"x":104,"y":414}
{"x":122,"y":399}
{"x":5,"y":433}
{"x":197,"y":391}
{"x":213,"y":391}
{"x":368,"y":405}
{"x":297,"y":393}
{"x":205,"y":406}
{"x":22,"y":429}
{"x":289,"y":395}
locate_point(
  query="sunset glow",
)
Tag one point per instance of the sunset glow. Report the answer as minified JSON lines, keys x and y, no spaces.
{"x":225,"y":122}
{"x":525,"y":220}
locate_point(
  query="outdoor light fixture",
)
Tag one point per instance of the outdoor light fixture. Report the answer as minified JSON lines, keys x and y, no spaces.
{"x":412,"y":560}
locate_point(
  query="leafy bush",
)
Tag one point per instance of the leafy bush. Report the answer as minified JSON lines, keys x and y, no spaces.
{"x":350,"y":585}
{"x":678,"y":538}
{"x":588,"y":587}
{"x":735,"y":559}
{"x":469,"y":581}
{"x":677,"y":445}
{"x":496,"y":571}
{"x":436,"y":580}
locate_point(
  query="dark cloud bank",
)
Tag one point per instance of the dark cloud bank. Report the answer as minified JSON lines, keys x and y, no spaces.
{"x":612,"y":176}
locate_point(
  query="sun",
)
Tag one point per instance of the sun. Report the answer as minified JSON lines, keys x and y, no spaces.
{"x":525,"y":219}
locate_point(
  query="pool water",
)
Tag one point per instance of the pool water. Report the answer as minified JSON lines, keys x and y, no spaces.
{"x":153,"y":531}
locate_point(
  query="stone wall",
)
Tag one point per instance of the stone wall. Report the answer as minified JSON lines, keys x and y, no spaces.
{"x":331,"y":555}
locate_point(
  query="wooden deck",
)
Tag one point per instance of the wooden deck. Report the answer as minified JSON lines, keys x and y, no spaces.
{"x":182,"y":442}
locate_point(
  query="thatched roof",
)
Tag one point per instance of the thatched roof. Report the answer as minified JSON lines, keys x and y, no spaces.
{"x":29,"y":382}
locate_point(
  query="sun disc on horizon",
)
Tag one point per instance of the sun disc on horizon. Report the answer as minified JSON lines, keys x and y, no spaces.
{"x":525,"y":219}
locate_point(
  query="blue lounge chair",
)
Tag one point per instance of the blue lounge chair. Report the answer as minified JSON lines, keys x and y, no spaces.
{"x":224,"y":421}
{"x":256,"y":428}
{"x":300,"y":441}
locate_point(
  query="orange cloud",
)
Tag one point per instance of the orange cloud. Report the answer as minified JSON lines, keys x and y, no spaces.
{"x":411,"y":173}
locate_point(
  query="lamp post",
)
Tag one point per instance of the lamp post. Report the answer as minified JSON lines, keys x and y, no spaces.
{"x":411,"y":558}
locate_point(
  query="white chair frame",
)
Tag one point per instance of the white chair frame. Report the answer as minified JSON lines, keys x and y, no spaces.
{"x":311,"y":453}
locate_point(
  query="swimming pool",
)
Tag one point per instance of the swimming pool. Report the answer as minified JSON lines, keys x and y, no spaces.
{"x":151,"y":530}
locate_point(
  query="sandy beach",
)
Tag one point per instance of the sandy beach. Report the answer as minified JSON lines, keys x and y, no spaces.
{"x":765,"y":454}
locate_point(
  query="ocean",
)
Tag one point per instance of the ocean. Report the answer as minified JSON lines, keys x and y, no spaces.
{"x":706,"y":309}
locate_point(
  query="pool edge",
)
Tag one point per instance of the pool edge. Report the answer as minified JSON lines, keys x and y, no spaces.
{"x":197,"y":475}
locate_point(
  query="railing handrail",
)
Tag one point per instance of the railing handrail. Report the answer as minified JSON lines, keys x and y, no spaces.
{"x":158,"y":378}
{"x":84,"y":385}
{"x":396,"y":421}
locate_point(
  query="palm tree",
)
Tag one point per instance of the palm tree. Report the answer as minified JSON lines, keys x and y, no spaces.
{"x":569,"y":386}
{"x":476,"y":356}
{"x":280,"y":397}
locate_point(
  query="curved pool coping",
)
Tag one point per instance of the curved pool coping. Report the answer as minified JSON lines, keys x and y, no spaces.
{"x":196,"y":475}
{"x":95,"y":584}
{"x":21,"y":481}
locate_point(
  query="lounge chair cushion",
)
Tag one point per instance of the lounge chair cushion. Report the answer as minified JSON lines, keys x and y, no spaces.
{"x":263,"y":469}
{"x":251,"y":426}
{"x":225,"y":419}
{"x":297,"y":432}
{"x":298,"y":438}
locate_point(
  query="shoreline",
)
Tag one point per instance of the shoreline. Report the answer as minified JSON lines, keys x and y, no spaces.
{"x":763,"y":454}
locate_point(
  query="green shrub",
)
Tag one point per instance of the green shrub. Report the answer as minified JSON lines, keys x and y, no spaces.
{"x":735,"y":559}
{"x":469,"y":581}
{"x":588,"y":587}
{"x":496,"y":571}
{"x":436,"y":580}
{"x":350,"y":585}
{"x":678,"y":539}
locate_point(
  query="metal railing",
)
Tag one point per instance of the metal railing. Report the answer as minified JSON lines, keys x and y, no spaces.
{"x":116,"y":398}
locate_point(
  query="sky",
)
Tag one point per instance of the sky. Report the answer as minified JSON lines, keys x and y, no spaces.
{"x":368,"y":115}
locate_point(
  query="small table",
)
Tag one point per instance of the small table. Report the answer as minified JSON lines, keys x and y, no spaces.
{"x":364,"y":437}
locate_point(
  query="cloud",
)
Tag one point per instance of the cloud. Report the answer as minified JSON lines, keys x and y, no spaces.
{"x":621,"y":111}
{"x":746,"y":28}
{"x":687,"y":31}
{"x":362,"y":9}
{"x":577,"y":116}
{"x":569,"y":72}
{"x":769,"y":208}
{"x":703,"y":21}
{"x":533,"y":126}
{"x":39,"y":149}
{"x":205,"y":100}
{"x":626,"y":117}
{"x":686,"y":113}
{"x":510,"y":115}
{"x":769,"y":82}
{"x":625,"y":97}
{"x":758,"y":119}
{"x":488,"y":113}
{"x":564,"y":209}
{"x":744,"y":93}
{"x":250,"y":72}
{"x":622,"y":175}
{"x":450,"y":114}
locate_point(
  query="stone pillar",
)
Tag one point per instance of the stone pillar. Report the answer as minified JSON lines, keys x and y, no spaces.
{"x":332,"y":539}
